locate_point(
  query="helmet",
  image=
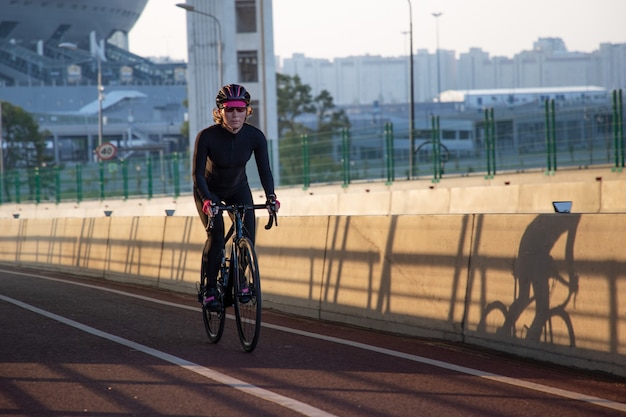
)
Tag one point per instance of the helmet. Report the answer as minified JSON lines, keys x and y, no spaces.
{"x":232,"y":92}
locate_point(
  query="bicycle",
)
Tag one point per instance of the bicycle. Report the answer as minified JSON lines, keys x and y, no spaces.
{"x":238,"y":280}
{"x":557,"y":329}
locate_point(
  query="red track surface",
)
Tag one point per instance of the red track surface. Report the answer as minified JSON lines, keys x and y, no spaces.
{"x":68,"y":349}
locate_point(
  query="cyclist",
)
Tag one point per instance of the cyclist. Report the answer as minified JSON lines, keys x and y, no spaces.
{"x":535,"y":266}
{"x":221,"y":153}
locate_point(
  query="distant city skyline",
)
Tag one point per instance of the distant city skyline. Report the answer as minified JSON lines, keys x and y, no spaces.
{"x":339,"y":28}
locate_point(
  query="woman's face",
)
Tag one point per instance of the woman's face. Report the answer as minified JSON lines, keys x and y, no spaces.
{"x":234,"y":117}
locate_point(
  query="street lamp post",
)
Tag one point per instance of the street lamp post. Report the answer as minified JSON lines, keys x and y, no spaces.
{"x":1,"y":158}
{"x":100,"y":98}
{"x":192,"y":9}
{"x":412,"y":96}
{"x":436,"y":15}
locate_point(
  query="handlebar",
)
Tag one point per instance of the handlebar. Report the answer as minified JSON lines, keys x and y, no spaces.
{"x":273,"y":220}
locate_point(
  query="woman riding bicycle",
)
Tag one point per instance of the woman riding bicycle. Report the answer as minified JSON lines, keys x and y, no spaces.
{"x":221,"y":153}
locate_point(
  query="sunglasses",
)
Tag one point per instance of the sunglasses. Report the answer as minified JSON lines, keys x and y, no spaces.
{"x":237,"y":109}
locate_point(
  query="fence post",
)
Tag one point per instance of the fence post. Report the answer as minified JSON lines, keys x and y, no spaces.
{"x":546,"y":105}
{"x":16,"y":182}
{"x":618,"y":130}
{"x":492,"y":133}
{"x":176,"y":172}
{"x":345,"y":157}
{"x":439,"y":167}
{"x":553,"y":130}
{"x":389,"y":153}
{"x":306,"y":179}
{"x":150,"y":179}
{"x":57,"y":184}
{"x":79,"y":183}
{"x":125,"y":178}
{"x":436,"y":141}
{"x":550,"y":136}
{"x":490,"y":143}
{"x":620,"y":121}
{"x":101,"y":166}
{"x":37,"y":185}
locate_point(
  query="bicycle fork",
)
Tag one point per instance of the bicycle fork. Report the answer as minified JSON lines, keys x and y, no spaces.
{"x":225,"y":269}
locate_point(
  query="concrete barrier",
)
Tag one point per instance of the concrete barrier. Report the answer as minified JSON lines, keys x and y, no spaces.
{"x":546,"y":286}
{"x":181,"y":253}
{"x":550,"y":286}
{"x":596,"y":190}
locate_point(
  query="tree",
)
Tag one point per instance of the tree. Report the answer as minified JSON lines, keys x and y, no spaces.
{"x":23,"y":145}
{"x":327,"y":119}
{"x":325,"y":162}
{"x":294,"y":100}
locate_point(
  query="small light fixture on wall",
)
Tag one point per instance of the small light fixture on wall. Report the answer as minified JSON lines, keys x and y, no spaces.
{"x":562,"y":206}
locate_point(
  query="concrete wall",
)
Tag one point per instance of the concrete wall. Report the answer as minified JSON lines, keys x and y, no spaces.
{"x":547,"y":286}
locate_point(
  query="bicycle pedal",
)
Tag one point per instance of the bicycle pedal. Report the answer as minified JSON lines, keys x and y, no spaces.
{"x":245,"y":295}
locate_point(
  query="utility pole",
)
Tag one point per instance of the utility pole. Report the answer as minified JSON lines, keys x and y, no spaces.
{"x":412,"y":96}
{"x":436,"y":15}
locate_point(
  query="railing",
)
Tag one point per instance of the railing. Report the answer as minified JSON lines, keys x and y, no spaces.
{"x":543,"y":138}
{"x":539,"y":136}
{"x":147,"y":177}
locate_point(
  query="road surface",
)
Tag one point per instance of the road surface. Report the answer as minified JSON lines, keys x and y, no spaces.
{"x":74,"y":346}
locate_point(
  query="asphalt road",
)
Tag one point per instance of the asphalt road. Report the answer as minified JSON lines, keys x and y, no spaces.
{"x":72,"y":346}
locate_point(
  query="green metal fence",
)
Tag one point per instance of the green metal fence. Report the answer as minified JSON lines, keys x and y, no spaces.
{"x":146,"y":177}
{"x":544,"y":137}
{"x":539,"y":136}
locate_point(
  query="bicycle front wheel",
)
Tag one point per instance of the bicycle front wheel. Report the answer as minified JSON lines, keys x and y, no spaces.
{"x":214,"y":320}
{"x":247,"y":295}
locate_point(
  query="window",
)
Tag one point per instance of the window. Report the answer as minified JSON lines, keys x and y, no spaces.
{"x":245,"y":16}
{"x":448,"y":134}
{"x":248,"y":66}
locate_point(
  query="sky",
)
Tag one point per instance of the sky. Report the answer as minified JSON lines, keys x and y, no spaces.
{"x":340,"y":28}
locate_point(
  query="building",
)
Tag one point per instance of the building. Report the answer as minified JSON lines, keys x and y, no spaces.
{"x":515,"y":97}
{"x":211,"y":28}
{"x":56,"y":57}
{"x":360,"y":80}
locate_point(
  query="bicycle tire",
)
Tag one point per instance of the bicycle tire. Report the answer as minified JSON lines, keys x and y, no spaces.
{"x":559,"y":333}
{"x":214,"y":320}
{"x":490,"y":324}
{"x":247,"y":297}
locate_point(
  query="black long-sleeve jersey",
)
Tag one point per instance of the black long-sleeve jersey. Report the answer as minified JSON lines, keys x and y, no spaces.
{"x":220,"y":158}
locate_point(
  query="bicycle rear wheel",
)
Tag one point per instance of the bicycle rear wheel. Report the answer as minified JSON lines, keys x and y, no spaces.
{"x":247,"y":295}
{"x":214,"y":320}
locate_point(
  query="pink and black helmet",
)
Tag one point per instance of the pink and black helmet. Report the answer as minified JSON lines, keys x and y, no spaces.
{"x":233,"y":95}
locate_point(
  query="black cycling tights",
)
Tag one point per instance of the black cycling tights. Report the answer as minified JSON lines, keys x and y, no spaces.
{"x":212,"y":252}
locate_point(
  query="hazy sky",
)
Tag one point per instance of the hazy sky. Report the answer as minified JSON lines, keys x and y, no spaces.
{"x":340,"y":28}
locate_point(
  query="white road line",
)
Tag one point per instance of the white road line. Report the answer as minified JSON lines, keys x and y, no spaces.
{"x":290,"y":403}
{"x":432,"y":362}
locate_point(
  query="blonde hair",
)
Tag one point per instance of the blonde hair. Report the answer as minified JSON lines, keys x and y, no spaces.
{"x":219,"y":119}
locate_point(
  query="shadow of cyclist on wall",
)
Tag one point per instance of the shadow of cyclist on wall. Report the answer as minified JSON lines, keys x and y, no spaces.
{"x":535,"y":267}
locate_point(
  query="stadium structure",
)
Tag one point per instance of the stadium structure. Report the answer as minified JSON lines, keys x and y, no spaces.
{"x":67,"y":63}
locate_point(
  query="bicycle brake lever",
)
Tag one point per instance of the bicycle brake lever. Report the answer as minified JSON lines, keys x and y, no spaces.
{"x":272,"y":220}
